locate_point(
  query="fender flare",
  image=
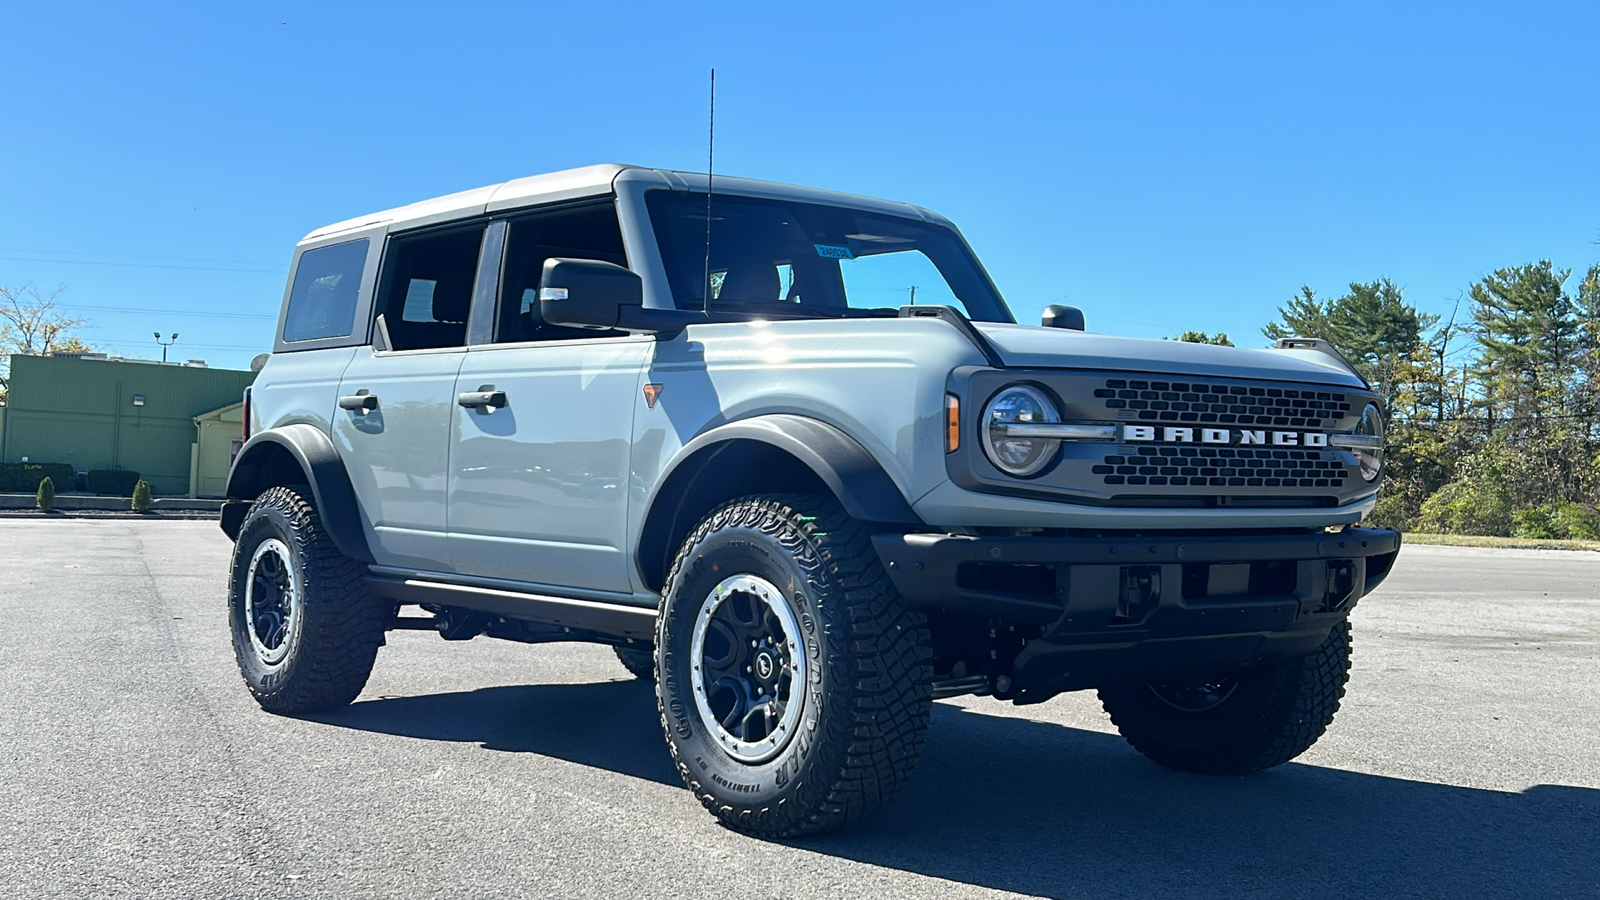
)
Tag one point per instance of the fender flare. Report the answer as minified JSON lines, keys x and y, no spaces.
{"x":864,"y":489}
{"x":324,"y":471}
{"x":838,"y":461}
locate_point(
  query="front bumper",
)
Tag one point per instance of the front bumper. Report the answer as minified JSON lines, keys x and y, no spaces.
{"x":1144,"y":608}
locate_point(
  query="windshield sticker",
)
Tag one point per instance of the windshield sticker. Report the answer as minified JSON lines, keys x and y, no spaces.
{"x":829,"y":251}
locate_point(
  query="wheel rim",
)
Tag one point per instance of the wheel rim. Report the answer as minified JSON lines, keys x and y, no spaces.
{"x":271,"y":601}
{"x":1195,"y":697}
{"x":748,"y":670}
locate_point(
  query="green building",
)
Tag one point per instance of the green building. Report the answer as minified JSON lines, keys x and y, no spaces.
{"x":172,"y":423}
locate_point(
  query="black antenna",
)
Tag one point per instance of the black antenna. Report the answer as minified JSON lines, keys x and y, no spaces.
{"x":711,"y":158}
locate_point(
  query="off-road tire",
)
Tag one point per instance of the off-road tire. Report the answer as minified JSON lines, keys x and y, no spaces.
{"x":868,"y":692}
{"x":1273,"y":715}
{"x":335,"y":637}
{"x":639,"y":663}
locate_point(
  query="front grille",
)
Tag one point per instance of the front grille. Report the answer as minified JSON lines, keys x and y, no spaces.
{"x":1221,"y":404}
{"x":1223,"y":467}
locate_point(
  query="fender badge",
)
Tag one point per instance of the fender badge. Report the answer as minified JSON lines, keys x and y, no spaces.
{"x":652,"y":393}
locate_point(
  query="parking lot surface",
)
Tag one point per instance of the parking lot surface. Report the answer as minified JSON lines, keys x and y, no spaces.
{"x":1465,"y":761}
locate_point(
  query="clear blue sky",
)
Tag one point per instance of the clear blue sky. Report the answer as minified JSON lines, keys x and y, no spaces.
{"x":1162,"y":165}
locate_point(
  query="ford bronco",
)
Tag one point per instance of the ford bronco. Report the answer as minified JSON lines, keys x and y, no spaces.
{"x":789,"y":453}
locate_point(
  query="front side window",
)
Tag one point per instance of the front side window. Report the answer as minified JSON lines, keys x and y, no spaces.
{"x":778,"y":257}
{"x":427,"y":287}
{"x":580,"y":232}
{"x":327,"y":282}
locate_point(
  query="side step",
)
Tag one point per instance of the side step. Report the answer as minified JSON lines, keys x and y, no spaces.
{"x":605,"y":619}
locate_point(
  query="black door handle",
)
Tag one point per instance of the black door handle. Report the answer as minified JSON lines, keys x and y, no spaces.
{"x":485,"y":399}
{"x":361,"y":402}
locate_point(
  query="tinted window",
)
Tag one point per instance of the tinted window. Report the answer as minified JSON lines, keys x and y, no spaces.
{"x":582,"y":232}
{"x":322,"y":303}
{"x":427,"y":287}
{"x":777,"y":257}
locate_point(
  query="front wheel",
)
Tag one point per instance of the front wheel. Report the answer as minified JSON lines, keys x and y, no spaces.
{"x":795,"y":684}
{"x":1236,"y":725}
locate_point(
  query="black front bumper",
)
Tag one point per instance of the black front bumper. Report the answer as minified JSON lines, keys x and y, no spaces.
{"x":1144,"y":608}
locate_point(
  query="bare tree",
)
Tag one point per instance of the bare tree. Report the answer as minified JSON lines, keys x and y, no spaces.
{"x":31,"y":324}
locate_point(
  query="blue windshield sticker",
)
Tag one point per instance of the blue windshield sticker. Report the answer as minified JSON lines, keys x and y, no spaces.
{"x":829,"y":251}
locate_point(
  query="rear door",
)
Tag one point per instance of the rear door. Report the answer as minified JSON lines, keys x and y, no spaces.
{"x":396,"y":406}
{"x":538,"y":479}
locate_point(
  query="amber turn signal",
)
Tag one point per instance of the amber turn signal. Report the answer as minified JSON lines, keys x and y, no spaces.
{"x":952,"y":423}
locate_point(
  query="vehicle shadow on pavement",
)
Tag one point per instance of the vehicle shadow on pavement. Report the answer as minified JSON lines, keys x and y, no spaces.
{"x":609,"y":725}
{"x":1043,"y":809}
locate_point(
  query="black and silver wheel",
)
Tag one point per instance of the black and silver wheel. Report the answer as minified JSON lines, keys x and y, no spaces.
{"x":745,"y":665}
{"x":1232,"y":726}
{"x":305,"y":630}
{"x":795,"y":684}
{"x":271,"y":601}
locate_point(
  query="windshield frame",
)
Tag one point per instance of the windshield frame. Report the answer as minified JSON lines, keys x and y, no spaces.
{"x":685,"y":293}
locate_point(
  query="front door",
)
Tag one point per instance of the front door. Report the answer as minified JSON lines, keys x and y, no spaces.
{"x":539,"y":462}
{"x":539,"y":486}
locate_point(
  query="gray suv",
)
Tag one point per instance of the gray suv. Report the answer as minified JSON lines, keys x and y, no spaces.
{"x":707,"y":425}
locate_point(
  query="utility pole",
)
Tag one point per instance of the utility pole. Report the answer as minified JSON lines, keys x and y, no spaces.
{"x":913,"y":295}
{"x":166,"y":344}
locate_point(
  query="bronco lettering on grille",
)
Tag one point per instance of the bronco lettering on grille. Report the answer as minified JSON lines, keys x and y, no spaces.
{"x":1183,"y":435}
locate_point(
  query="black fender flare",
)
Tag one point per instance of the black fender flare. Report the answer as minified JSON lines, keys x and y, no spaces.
{"x":864,"y":489}
{"x":838,"y":461}
{"x":259,"y":466}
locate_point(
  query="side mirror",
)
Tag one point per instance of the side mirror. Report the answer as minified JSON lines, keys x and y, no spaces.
{"x":1063,"y":317}
{"x":587,"y":293}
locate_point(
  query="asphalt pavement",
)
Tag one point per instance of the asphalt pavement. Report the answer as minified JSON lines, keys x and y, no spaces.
{"x":1465,"y":762}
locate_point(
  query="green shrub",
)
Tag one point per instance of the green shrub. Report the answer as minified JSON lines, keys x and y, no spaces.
{"x":24,"y":478}
{"x":116,"y":482}
{"x":141,"y":496}
{"x":46,"y":498}
{"x":1578,"y":522}
{"x":1467,"y":507}
{"x":1557,"y":520}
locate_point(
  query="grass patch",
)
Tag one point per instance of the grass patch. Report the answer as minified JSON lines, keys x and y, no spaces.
{"x":1469,"y":540}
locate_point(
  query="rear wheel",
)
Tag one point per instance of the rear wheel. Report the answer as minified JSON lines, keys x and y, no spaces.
{"x":1233,"y":726}
{"x":639,"y":663}
{"x":305,"y":629}
{"x":794,"y":684}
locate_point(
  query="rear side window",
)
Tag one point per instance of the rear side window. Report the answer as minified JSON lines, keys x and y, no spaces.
{"x":322,"y":303}
{"x":427,"y":291}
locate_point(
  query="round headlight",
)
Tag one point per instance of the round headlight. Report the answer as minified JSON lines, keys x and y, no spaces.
{"x":1017,"y":453}
{"x":1370,"y":458}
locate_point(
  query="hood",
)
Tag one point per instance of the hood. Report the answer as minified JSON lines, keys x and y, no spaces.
{"x":1032,"y":346}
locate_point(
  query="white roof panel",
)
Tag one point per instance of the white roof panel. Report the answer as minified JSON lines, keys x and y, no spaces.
{"x":593,"y":181}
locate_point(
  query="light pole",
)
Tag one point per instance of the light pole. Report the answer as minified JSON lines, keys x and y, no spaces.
{"x":166,"y":344}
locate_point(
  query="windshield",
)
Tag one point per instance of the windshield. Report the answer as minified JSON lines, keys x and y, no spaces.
{"x":778,"y":257}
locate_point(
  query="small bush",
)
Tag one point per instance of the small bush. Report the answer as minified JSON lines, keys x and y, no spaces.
{"x":141,"y":496}
{"x":116,"y":482}
{"x":1465,"y":507}
{"x":1557,"y":521}
{"x":46,"y":498}
{"x":24,"y":478}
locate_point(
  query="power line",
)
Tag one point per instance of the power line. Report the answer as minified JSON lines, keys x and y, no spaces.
{"x":167,"y":312}
{"x":257,"y":348}
{"x":201,"y":259}
{"x":132,"y":265}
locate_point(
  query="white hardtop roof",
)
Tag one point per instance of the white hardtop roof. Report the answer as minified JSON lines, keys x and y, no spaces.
{"x":593,"y":181}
